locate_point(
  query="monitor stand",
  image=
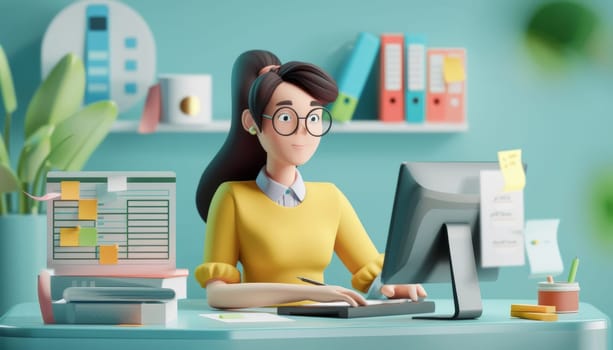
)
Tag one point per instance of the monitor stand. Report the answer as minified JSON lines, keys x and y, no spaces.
{"x":464,"y":279}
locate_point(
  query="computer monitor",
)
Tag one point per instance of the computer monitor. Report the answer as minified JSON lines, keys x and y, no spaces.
{"x":434,"y":231}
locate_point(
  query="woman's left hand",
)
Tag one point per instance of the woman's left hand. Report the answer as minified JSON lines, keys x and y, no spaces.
{"x":398,"y":291}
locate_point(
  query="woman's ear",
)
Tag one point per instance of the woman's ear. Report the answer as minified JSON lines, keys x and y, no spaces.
{"x":248,"y":122}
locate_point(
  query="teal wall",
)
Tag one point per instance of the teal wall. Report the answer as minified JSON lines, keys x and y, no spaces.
{"x":561,"y":122}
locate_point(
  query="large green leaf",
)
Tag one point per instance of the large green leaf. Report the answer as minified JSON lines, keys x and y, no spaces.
{"x":76,"y":138}
{"x":59,"y":96}
{"x":6,"y":84}
{"x":8,"y":180}
{"x":35,"y":150}
{"x":4,"y":155}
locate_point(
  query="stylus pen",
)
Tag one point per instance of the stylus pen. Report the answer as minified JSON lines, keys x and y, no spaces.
{"x":308,"y":280}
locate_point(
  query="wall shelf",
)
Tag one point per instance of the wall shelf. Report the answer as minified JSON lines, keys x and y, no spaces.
{"x":131,"y":126}
{"x":357,"y":126}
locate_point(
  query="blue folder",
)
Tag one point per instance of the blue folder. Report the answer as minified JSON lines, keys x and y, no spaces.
{"x":416,"y":81}
{"x":354,"y":75}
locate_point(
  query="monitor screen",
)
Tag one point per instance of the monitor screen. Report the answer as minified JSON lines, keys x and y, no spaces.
{"x":434,"y":231}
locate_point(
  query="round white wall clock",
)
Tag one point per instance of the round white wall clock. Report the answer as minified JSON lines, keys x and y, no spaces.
{"x":116,"y":46}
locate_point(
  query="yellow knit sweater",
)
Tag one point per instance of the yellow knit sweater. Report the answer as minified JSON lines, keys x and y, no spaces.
{"x":276,"y":243}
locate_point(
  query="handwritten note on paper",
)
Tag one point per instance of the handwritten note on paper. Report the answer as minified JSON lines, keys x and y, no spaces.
{"x":542,"y":248}
{"x":512,"y":170}
{"x":502,"y":222}
{"x":453,"y":69}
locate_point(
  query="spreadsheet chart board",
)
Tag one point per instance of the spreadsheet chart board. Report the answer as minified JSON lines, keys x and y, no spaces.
{"x":112,"y":223}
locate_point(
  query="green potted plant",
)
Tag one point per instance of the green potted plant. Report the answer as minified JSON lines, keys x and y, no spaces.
{"x":59,"y":133}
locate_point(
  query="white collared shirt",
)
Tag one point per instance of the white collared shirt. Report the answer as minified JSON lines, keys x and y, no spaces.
{"x":286,"y":196}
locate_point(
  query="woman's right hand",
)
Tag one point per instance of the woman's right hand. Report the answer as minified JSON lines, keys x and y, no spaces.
{"x":331,"y":293}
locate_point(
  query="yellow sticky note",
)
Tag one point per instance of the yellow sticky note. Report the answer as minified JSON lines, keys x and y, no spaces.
{"x":88,"y":209}
{"x":533,"y":308}
{"x":70,"y":190}
{"x":538,"y":316}
{"x":512,"y":170}
{"x":453,"y":69}
{"x":108,"y":254}
{"x":69,"y":237}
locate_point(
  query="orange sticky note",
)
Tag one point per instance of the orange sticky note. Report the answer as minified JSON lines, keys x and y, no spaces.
{"x":88,"y":209}
{"x":108,"y":254}
{"x":69,"y":237}
{"x":70,"y":190}
{"x":453,"y":69}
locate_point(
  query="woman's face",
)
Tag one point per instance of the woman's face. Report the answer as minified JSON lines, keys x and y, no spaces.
{"x":297,"y":147}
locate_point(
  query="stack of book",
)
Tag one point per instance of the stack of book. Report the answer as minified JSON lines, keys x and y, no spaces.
{"x":145,"y":299}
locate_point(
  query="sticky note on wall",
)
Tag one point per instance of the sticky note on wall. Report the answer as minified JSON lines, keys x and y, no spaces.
{"x":88,"y":209}
{"x":108,"y":254}
{"x":117,"y":183}
{"x":69,"y":237}
{"x":88,"y":237}
{"x":70,"y":190}
{"x":512,"y":170}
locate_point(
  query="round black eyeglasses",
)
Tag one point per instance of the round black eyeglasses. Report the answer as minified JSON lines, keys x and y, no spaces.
{"x":285,"y":121}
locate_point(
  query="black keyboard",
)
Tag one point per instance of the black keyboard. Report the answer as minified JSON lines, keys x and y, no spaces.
{"x":374,"y":308}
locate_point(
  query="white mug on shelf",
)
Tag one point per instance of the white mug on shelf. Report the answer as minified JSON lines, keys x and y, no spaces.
{"x":177,"y":99}
{"x":186,"y":98}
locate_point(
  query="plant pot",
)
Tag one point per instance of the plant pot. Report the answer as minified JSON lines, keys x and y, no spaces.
{"x":23,"y":253}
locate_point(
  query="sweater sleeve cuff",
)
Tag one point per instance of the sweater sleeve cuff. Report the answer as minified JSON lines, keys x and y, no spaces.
{"x":366,"y":275}
{"x":219,"y":271}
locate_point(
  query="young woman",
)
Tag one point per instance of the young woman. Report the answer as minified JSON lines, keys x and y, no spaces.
{"x":260,"y":212}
